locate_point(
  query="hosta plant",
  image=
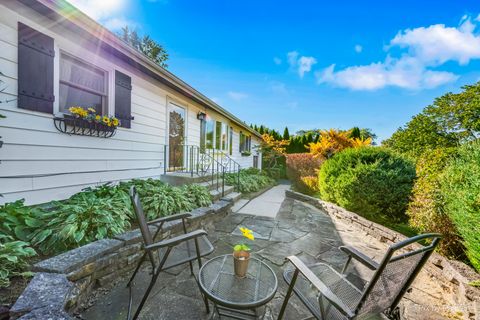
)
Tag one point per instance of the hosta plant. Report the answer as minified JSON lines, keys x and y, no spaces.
{"x":19,"y":221}
{"x":165,"y":200}
{"x":82,"y":219}
{"x":198,"y":195}
{"x":13,"y":255}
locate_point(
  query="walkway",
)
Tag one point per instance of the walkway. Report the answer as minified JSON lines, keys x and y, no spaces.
{"x":297,"y":229}
{"x":267,"y":204}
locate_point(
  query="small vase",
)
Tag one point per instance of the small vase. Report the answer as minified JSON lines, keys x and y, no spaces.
{"x":240,"y":263}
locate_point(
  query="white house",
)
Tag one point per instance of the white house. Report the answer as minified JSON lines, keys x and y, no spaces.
{"x":52,"y":57}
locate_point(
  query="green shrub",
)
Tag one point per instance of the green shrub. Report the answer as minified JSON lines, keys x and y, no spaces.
{"x":251,"y":180}
{"x":370,"y":181}
{"x":83,"y":218}
{"x":13,"y":255}
{"x":426,"y":210}
{"x":460,"y":188}
{"x":302,"y":170}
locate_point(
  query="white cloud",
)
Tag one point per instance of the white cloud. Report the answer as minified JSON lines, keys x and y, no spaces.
{"x":358,"y":48}
{"x":235,"y":95}
{"x":425,"y":48}
{"x":277,"y":60}
{"x":437,"y":44}
{"x":301,"y":64}
{"x":107,"y":12}
{"x":405,"y":73}
{"x":100,"y":9}
{"x":292,"y":58}
{"x":305,"y":65}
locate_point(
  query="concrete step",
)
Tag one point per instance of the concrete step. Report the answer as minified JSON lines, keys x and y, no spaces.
{"x":232,"y":197}
{"x":217,"y":194}
{"x":211,"y":185}
{"x":180,"y":178}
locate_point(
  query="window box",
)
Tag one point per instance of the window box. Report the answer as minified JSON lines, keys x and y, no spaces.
{"x":246,"y":153}
{"x":70,"y":124}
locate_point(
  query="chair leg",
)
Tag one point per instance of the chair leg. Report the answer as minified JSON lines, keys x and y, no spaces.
{"x":145,"y":296}
{"x":288,"y":294}
{"x":152,"y":283}
{"x":136,"y":269}
{"x":191,"y":267}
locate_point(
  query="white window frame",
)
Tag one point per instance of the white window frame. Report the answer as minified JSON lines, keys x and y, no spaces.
{"x":109,"y":70}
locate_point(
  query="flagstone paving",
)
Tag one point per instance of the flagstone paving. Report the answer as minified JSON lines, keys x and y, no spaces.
{"x":298,"y":229}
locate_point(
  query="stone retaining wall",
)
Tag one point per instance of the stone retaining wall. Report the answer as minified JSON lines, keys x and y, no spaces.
{"x":61,"y":283}
{"x":454,"y":274}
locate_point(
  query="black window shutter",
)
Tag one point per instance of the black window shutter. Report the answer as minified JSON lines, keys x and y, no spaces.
{"x":35,"y":70}
{"x":123,"y":99}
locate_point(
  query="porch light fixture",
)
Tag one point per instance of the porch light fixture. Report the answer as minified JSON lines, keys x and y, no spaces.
{"x":201,"y":116}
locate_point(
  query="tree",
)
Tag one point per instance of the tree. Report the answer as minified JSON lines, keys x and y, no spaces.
{"x":422,"y":133}
{"x":452,"y":119}
{"x":286,"y":134}
{"x":145,"y":45}
{"x":333,"y":141}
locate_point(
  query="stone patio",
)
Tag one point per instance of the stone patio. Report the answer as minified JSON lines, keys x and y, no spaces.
{"x":298,"y":229}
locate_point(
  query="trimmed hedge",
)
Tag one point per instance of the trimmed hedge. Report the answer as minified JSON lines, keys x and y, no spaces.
{"x":370,"y":181}
{"x":426,"y":210}
{"x":460,"y":188}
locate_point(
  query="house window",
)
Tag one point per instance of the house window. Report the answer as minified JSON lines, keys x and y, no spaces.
{"x":230,"y":146}
{"x":209,"y":133}
{"x":224,"y":137}
{"x":82,"y":85}
{"x":218,"y":135}
{"x":245,"y":142}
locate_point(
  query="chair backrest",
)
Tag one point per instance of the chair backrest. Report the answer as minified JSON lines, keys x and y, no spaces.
{"x":395,"y":274}
{"x":142,"y":221}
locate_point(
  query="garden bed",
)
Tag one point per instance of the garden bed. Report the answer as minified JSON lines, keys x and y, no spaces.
{"x":63,"y":282}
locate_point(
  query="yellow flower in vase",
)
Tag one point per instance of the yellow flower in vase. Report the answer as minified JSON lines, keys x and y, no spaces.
{"x":247,"y":233}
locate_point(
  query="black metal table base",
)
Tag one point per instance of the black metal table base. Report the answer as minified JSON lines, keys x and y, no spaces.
{"x":229,"y":313}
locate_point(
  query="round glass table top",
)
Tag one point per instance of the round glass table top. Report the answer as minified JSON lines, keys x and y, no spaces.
{"x":219,"y":282}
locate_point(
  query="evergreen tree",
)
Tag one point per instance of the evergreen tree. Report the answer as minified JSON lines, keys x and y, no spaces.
{"x":286,"y":134}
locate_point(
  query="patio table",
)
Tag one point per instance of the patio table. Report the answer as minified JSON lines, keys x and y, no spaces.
{"x":233,"y":296}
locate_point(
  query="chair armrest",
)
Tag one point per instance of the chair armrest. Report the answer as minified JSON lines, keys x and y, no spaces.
{"x":360,"y":257}
{"x":324,"y":290}
{"x":176,"y":240}
{"x":170,"y":218}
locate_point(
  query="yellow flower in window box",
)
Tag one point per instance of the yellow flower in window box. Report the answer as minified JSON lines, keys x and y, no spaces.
{"x":115,"y":122}
{"x":92,"y":110}
{"x":106,"y":120}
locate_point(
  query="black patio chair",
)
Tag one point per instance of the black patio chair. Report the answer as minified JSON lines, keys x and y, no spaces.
{"x":168,"y":252}
{"x":330,"y":296}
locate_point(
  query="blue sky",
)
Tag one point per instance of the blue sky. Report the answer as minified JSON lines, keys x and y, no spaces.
{"x":312,"y":64}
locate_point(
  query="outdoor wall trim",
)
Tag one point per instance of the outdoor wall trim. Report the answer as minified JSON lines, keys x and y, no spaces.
{"x":63,"y":282}
{"x":454,"y":274}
